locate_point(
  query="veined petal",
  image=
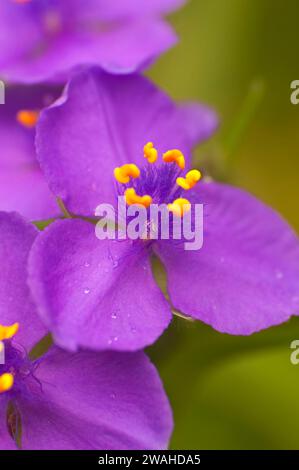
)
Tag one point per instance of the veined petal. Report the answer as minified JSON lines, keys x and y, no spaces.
{"x":120,"y":9}
{"x":81,"y":141}
{"x":22,"y":185}
{"x":200,"y":121}
{"x":58,"y":36}
{"x":16,"y":306}
{"x":98,"y":294}
{"x":246,"y":276}
{"x":103,"y":401}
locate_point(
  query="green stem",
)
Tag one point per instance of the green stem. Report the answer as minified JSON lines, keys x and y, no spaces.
{"x":244,"y":119}
{"x":63,"y":208}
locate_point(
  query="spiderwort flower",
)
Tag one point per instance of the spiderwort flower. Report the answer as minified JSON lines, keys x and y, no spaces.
{"x":102,"y":294}
{"x":56,"y":36}
{"x":22,"y":186}
{"x":87,"y":287}
{"x":61,"y":400}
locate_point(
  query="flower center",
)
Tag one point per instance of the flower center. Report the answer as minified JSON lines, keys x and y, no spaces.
{"x":13,"y":359}
{"x":157,"y":183}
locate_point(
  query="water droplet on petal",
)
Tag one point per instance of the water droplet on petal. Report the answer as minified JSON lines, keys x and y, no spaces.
{"x":113,"y":396}
{"x":86,"y":290}
{"x":278,"y":274}
{"x":114,"y":315}
{"x":115,"y":263}
{"x":86,"y":264}
{"x":112,"y":339}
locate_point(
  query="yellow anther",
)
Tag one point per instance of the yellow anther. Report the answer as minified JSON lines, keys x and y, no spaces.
{"x":192,"y":177}
{"x":175,"y":156}
{"x":27,"y":118}
{"x":7,"y":332}
{"x":179,"y":207}
{"x":150,"y":153}
{"x":6,"y":382}
{"x":132,"y":198}
{"x":124,"y":173}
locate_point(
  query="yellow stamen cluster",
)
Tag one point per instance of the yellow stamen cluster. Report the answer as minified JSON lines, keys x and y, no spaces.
{"x":132,"y":198}
{"x":175,"y":156}
{"x":179,"y":207}
{"x":6,"y":382}
{"x":124,"y":174}
{"x":7,"y":332}
{"x":190,"y":180}
{"x":27,"y":118}
{"x":7,"y":379}
{"x":150,"y":153}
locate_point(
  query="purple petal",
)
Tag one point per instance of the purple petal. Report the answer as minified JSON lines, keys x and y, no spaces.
{"x":103,"y":401}
{"x":6,"y":441}
{"x":16,"y":237}
{"x":93,"y":293}
{"x":15,"y":17}
{"x":120,"y":9}
{"x":246,"y":276}
{"x":22,"y":185}
{"x":120,"y":50}
{"x":103,"y":122}
{"x":200,"y":121}
{"x":56,"y":37}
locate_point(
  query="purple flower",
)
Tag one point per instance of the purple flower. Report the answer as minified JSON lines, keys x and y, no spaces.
{"x":102,"y":294}
{"x":56,"y":36}
{"x":22,"y":185}
{"x":61,"y":400}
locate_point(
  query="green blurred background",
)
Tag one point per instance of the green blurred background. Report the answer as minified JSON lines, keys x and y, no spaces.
{"x":239,"y":56}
